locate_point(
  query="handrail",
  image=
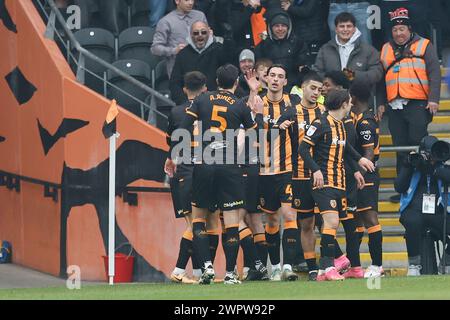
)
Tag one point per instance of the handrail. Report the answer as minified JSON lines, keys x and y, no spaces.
{"x":6,"y":174}
{"x":83,"y":51}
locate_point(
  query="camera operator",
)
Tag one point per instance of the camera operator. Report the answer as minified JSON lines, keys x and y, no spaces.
{"x":420,"y":184}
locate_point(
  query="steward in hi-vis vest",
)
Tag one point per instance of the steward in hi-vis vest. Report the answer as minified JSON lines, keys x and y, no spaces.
{"x":413,"y":82}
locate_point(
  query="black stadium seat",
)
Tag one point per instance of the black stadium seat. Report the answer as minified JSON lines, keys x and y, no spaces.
{"x":114,"y":14}
{"x":140,"y":11}
{"x":135,"y":43}
{"x":161,"y":83}
{"x":90,"y":13}
{"x":101,"y":43}
{"x":138,"y":70}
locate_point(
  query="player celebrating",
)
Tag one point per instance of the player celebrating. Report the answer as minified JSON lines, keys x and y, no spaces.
{"x":367,"y":204}
{"x":327,"y":137}
{"x":181,"y":178}
{"x":218,"y":179}
{"x":276,"y":172}
{"x":302,"y":200}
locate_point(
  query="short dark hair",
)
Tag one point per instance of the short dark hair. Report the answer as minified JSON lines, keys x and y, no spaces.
{"x":227,"y":76}
{"x":336,"y":98}
{"x":344,"y":17}
{"x":194,"y":81}
{"x":339,"y":78}
{"x":263,"y":62}
{"x":360,"y":90}
{"x":276,"y":65}
{"x":312,"y":76}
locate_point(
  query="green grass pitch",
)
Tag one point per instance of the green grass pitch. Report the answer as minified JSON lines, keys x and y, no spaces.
{"x":425,"y":287}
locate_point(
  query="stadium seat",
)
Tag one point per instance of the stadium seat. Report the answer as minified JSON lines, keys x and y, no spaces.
{"x":101,"y":43}
{"x":90,"y":13}
{"x":135,"y":43}
{"x":138,"y":70}
{"x":114,"y":14}
{"x":161,"y":79}
{"x":140,"y":11}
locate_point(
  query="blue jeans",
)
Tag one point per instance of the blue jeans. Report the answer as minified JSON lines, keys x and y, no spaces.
{"x":157,"y":11}
{"x":359,"y":10}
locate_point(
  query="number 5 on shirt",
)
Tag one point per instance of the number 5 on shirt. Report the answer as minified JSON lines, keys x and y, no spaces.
{"x":216,"y":117}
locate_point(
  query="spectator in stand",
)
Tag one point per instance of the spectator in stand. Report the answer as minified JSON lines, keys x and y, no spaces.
{"x":202,"y":54}
{"x":244,"y":17}
{"x":309,"y":18}
{"x":283,"y":47}
{"x":173,"y":30}
{"x":261,"y":68}
{"x":423,"y":14}
{"x":157,"y":11}
{"x":413,"y":83}
{"x":358,"y":8}
{"x":246,"y":64}
{"x":349,"y":53}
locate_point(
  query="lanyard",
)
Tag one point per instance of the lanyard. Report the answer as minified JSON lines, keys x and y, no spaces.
{"x":428,"y":183}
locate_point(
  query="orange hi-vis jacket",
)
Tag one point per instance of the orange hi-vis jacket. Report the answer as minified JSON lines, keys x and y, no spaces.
{"x":406,"y":77}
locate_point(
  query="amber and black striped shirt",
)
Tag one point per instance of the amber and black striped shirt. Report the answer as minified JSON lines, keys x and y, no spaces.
{"x":328,"y":137}
{"x":368,"y":133}
{"x":276,"y":151}
{"x":305,"y":116}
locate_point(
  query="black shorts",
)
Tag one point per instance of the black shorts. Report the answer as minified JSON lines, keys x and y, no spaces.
{"x":218,"y":185}
{"x":351,"y":194}
{"x":250,"y":174}
{"x":331,"y":200}
{"x":368,"y":196}
{"x":181,"y":190}
{"x":302,"y":199}
{"x":275,"y":190}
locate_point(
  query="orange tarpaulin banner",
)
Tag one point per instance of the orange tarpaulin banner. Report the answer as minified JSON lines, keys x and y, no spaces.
{"x":258,"y":26}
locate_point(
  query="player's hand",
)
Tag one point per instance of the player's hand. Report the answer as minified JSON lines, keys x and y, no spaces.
{"x":433,"y":107}
{"x":286,"y":124}
{"x":318,"y":179}
{"x":285,"y":5}
{"x":252,"y":80}
{"x":380,"y":111}
{"x":366,"y":164}
{"x":170,"y":167}
{"x":257,"y":105}
{"x":360,"y":182}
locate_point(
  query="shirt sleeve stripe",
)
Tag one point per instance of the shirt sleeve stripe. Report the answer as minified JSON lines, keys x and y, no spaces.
{"x":192,"y":114}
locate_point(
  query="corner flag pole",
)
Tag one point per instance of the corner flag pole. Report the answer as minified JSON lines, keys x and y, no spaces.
{"x":112,"y":208}
{"x":109,"y":131}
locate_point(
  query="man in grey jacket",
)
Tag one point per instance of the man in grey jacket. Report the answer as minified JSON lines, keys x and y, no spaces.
{"x":172,"y":31}
{"x":348,"y":53}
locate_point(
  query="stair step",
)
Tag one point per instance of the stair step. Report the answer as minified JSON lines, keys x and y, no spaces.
{"x":365,"y":240}
{"x":441,"y":119}
{"x":444,"y":105}
{"x":388,"y":173}
{"x":389,"y":222}
{"x":386,"y":140}
{"x":387,"y":256}
{"x":388,"y":154}
{"x":386,"y":206}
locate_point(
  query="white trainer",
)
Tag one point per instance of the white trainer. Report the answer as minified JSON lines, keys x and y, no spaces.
{"x":374,"y":272}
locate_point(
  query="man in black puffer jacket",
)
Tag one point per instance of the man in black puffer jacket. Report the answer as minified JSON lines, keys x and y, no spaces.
{"x":283,"y":47}
{"x":203,"y":53}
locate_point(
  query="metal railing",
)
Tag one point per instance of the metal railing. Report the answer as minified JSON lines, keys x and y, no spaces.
{"x":72,"y":43}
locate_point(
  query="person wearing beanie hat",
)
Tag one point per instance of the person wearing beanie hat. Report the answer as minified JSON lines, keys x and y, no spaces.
{"x":412,"y":83}
{"x":282,"y":46}
{"x":246,"y":64}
